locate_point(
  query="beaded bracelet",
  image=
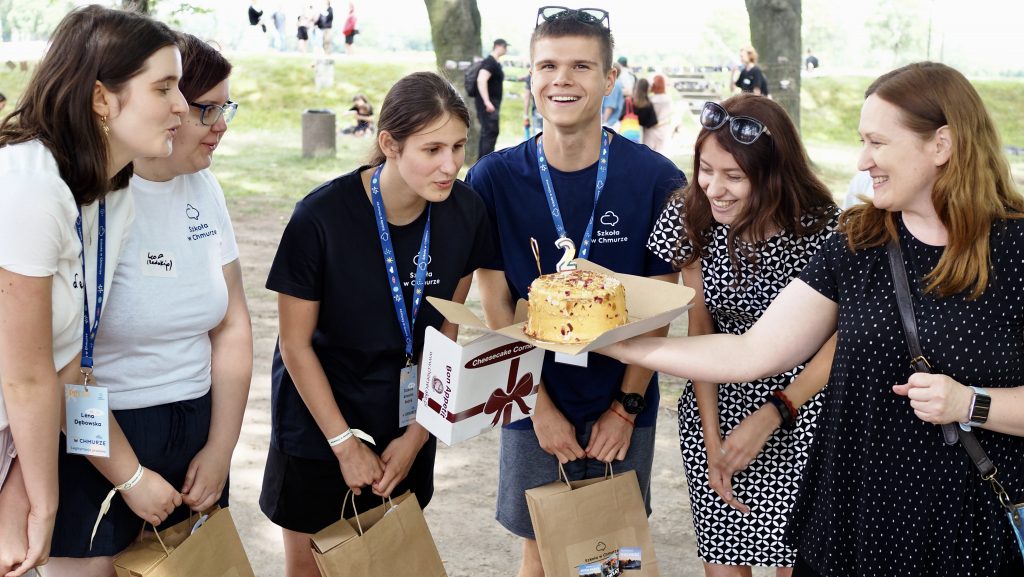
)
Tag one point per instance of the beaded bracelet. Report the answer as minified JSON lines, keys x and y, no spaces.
{"x":785,"y":408}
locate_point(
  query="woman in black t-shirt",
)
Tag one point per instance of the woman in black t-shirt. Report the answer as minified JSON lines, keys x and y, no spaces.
{"x":882,"y":493}
{"x":351,"y":272}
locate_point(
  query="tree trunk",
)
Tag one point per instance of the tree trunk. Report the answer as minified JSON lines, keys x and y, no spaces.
{"x":455,"y":30}
{"x":775,"y":32}
{"x":140,"y":6}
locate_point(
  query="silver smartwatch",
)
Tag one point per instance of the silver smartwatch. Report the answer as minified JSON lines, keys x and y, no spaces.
{"x":980,"y":405}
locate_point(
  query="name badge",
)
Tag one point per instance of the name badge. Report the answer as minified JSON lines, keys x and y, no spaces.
{"x":407,"y":396}
{"x":159,"y":263}
{"x":87,"y":418}
{"x":579,"y":360}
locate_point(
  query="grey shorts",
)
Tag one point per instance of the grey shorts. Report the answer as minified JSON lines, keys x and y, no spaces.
{"x":523,"y":465}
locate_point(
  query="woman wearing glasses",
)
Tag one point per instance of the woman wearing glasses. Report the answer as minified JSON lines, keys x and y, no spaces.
{"x":753,"y":218}
{"x":175,"y":345}
{"x":882,"y":492}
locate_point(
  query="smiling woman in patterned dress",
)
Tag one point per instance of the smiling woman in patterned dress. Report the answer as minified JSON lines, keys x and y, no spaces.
{"x":754,"y":217}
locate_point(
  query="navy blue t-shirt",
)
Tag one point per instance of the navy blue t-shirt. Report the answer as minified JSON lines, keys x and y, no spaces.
{"x":638,"y":185}
{"x":330,"y":252}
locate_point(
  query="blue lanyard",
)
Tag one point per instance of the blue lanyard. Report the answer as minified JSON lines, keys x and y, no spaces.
{"x":404,"y":322}
{"x":549,"y":191}
{"x":89,"y":333}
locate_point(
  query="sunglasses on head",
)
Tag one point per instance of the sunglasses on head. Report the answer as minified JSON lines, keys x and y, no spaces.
{"x":744,"y":129}
{"x":595,"y":16}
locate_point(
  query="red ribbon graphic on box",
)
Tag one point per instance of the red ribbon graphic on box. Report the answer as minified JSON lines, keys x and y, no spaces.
{"x":500,"y":401}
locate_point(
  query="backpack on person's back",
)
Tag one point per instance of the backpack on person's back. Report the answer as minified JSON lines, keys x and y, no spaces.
{"x":469,"y":79}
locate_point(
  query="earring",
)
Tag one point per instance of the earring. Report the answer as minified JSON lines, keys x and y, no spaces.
{"x":103,"y":124}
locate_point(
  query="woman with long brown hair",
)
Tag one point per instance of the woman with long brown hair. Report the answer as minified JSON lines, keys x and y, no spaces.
{"x":177,"y":375}
{"x":106,"y":92}
{"x":883,"y":493}
{"x":751,"y":220}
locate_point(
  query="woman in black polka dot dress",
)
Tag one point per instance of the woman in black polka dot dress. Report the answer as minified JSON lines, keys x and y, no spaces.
{"x":754,"y":217}
{"x":882,"y":493}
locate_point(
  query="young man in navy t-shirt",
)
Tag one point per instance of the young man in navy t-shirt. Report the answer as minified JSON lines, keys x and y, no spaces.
{"x":605,"y":411}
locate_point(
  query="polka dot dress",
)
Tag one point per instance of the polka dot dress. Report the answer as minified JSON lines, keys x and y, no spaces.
{"x":882,"y":494}
{"x":769,"y":485}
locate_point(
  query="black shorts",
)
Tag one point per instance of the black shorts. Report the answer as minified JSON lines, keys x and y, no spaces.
{"x":350,"y":38}
{"x":303,"y":33}
{"x":305,"y":495}
{"x":165,"y":438}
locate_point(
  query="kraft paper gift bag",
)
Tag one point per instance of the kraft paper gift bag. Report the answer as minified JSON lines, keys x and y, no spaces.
{"x":593,"y":528}
{"x":212,"y":550}
{"x":386,"y":541}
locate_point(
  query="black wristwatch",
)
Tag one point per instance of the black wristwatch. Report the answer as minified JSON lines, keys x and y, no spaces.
{"x":633,"y":403}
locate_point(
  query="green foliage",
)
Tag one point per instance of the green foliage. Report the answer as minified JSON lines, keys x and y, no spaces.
{"x":261,"y":153}
{"x":831,"y":107}
{"x":31,"y":19}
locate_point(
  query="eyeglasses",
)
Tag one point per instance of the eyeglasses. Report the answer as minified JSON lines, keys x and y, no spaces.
{"x":595,"y":16}
{"x":209,"y":114}
{"x":744,"y":129}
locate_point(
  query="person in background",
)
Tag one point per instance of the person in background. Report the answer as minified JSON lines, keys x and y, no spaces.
{"x":614,"y":103}
{"x":105,"y":92}
{"x":626,"y":76}
{"x":642,"y":106}
{"x":748,"y":76}
{"x":306,"y":22}
{"x":657,"y":137}
{"x":256,"y":16}
{"x":352,"y":332}
{"x":811,"y":61}
{"x":177,"y":374}
{"x":745,"y":227}
{"x":860,"y":188}
{"x":279,"y":37}
{"x":882,"y":492}
{"x":326,"y":25}
{"x":350,"y":29}
{"x":604,"y":412}
{"x":531,"y":117}
{"x":363,"y":112}
{"x":489,"y":84}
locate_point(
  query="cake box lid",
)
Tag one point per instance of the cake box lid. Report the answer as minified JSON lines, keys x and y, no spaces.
{"x":651,"y":303}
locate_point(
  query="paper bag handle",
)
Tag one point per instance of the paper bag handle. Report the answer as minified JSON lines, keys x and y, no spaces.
{"x":156,"y":532}
{"x":350,"y":494}
{"x":608,"y":473}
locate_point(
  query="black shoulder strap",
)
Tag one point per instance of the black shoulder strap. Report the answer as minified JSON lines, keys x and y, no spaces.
{"x":950,"y":431}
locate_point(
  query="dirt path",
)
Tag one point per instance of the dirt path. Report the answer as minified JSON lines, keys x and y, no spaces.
{"x":461,"y":514}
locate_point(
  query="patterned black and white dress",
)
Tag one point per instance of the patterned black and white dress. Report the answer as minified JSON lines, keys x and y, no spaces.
{"x":769,"y":485}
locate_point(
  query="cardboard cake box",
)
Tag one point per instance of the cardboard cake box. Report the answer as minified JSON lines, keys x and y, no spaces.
{"x":465,"y":390}
{"x":651,"y":304}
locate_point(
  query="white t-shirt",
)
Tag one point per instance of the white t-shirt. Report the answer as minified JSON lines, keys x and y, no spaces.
{"x":153,"y":346}
{"x":860,"y":185}
{"x":38,"y":239}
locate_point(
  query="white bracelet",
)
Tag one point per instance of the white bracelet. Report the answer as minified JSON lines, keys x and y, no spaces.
{"x":348,"y":434}
{"x":131,"y":482}
{"x":105,"y":505}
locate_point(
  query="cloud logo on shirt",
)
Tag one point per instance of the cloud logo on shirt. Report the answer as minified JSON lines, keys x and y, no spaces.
{"x":609,"y":219}
{"x":191,"y":212}
{"x":416,"y":262}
